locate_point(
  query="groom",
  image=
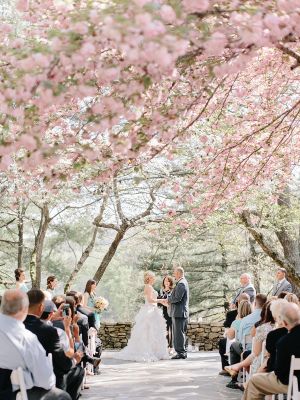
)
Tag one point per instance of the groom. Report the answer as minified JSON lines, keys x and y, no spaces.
{"x":179,"y":311}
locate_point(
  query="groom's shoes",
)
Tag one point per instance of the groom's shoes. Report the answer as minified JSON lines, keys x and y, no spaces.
{"x":178,"y":357}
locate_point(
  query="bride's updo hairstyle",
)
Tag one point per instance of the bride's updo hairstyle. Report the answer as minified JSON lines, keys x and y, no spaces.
{"x":147,"y":276}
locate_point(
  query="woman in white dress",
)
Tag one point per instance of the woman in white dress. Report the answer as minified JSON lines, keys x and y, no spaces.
{"x":148,"y":340}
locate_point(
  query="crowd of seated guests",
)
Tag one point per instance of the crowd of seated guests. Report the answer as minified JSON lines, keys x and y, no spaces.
{"x":262,"y":342}
{"x":33,"y":324}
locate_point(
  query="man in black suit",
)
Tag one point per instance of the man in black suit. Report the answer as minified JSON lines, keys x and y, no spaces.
{"x":69,"y":376}
{"x":263,"y":384}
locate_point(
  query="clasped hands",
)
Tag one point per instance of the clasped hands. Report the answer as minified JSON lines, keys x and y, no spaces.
{"x":164,"y":302}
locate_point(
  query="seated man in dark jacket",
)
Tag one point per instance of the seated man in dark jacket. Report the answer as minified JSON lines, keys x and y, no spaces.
{"x":69,"y":376}
{"x":263,"y":384}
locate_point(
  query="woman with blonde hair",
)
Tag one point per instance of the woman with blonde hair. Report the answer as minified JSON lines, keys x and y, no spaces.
{"x":148,"y":340}
{"x":292,"y":298}
{"x":244,"y":309}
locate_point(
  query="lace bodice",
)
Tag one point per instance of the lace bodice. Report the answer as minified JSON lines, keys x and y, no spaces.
{"x":154,"y":295}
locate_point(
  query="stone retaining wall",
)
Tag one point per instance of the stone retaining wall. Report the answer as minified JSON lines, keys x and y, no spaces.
{"x":205,"y":335}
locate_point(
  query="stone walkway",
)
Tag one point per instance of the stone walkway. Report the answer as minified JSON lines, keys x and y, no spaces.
{"x":194,"y":378}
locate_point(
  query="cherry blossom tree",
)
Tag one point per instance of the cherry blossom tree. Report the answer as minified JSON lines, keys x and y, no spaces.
{"x":88,"y":87}
{"x":97,"y":82}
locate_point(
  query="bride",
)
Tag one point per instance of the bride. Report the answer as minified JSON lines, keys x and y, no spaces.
{"x":148,"y":340}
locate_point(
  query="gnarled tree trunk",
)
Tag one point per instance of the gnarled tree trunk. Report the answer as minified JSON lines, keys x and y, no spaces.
{"x":36,"y":256}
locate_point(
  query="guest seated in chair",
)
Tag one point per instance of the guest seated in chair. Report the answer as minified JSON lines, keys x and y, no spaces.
{"x":231,"y":328}
{"x":69,"y":374}
{"x":266,"y":325}
{"x":21,"y":348}
{"x":262,"y":384}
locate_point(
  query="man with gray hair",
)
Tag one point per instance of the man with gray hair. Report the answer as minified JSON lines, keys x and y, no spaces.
{"x":246,"y":287}
{"x":179,"y":311}
{"x":21,"y":348}
{"x":263,"y":384}
{"x":282,"y":284}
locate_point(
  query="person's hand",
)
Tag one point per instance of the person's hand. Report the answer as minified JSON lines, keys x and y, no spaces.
{"x":232,"y":306}
{"x":76,"y":331}
{"x":164,"y":302}
{"x":57,"y":315}
{"x":67,"y":320}
{"x":78,"y":356}
{"x":75,"y":318}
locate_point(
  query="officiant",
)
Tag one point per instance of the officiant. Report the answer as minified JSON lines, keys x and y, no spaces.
{"x":166,"y":289}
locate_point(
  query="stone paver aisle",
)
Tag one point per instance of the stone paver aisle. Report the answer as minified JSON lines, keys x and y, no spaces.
{"x":194,"y":378}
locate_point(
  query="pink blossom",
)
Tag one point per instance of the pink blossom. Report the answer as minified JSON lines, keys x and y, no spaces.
{"x":168,"y":14}
{"x":87,"y":49}
{"x":98,"y":108}
{"x":5,"y":162}
{"x":41,"y":60}
{"x":28,"y":142}
{"x":5,"y":28}
{"x":80,"y":27}
{"x":288,"y":5}
{"x":22,"y":5}
{"x":199,"y":6}
{"x":141,"y":3}
{"x":216,"y":44}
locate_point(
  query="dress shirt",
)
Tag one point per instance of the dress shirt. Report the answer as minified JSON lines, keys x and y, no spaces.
{"x":279,"y":283}
{"x":21,"y":348}
{"x":247,"y":323}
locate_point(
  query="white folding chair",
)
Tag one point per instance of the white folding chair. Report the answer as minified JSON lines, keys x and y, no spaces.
{"x":247,"y":339}
{"x":91,"y":348}
{"x":295,"y":366}
{"x":50,"y":359}
{"x":263,"y":353}
{"x":228,"y":344}
{"x":296,"y":393}
{"x":17,"y":378}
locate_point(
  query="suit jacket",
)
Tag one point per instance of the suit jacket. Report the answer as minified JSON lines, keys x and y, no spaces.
{"x":179,"y":300}
{"x":287,"y":346}
{"x":249,"y":289}
{"x":285,"y":286}
{"x":49,"y":339}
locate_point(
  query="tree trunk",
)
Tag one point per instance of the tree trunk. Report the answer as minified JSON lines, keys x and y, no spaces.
{"x":110,"y":253}
{"x":288,"y":241}
{"x":224,"y":266}
{"x":36,"y":256}
{"x":254,"y":266}
{"x":269,"y":250}
{"x":83,"y":258}
{"x":21,"y":213}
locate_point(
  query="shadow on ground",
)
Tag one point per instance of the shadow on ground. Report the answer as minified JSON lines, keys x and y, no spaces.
{"x":194,"y":378}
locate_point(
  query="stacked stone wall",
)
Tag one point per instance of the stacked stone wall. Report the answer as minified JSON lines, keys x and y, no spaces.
{"x":205,"y":336}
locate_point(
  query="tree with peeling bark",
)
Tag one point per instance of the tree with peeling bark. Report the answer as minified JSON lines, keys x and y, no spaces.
{"x":283,"y":249}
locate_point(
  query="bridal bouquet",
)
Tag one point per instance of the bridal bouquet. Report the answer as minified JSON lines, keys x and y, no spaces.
{"x":100,"y":304}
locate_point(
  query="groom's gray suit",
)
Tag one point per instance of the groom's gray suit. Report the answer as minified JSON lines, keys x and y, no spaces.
{"x":179,"y":311}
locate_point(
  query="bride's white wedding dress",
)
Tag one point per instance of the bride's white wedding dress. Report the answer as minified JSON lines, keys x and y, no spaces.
{"x":148,"y":340}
